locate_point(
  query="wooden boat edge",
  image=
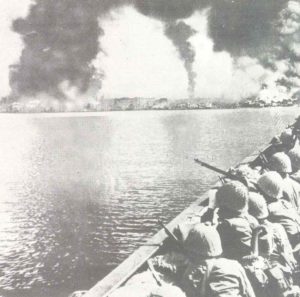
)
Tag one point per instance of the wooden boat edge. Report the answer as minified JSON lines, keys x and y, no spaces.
{"x":129,"y":266}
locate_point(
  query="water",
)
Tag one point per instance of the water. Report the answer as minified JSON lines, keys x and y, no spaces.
{"x":79,"y":192}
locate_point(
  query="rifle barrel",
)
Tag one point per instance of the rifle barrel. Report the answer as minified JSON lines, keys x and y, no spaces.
{"x":225,"y":173}
{"x":169,"y":233}
{"x":216,"y":169}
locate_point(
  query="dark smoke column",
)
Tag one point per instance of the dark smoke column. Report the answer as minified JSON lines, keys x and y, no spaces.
{"x":179,"y":33}
{"x":61,"y":40}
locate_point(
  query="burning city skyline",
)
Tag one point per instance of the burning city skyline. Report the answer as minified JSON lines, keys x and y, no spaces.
{"x":69,"y":50}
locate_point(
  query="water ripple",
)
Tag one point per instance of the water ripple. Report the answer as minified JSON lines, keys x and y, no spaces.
{"x":79,"y":194}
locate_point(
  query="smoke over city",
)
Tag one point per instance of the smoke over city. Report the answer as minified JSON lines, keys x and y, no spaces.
{"x":69,"y":48}
{"x":179,"y":33}
{"x":60,"y":40}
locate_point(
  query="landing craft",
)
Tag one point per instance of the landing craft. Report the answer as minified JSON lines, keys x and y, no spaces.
{"x":161,"y":243}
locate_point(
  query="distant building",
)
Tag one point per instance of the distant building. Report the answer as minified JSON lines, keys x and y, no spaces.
{"x":161,"y":103}
{"x":126,"y":103}
{"x":105,"y":105}
{"x":16,"y":107}
{"x":288,"y":102}
{"x":296,"y":97}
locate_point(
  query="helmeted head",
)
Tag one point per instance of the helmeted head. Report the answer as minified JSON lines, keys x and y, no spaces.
{"x":294,"y":155}
{"x":271,"y":184}
{"x":286,"y":137}
{"x":257,"y":206}
{"x":281,"y":163}
{"x":203,"y":241}
{"x":233,"y":196}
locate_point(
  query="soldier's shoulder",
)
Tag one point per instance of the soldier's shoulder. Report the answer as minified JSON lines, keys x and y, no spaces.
{"x":252,"y":221}
{"x":195,"y":271}
{"x":277,"y":227}
{"x":224,"y":265}
{"x":296,"y":176}
{"x":274,"y":206}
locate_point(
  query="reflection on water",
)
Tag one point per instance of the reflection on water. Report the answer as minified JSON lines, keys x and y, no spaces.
{"x":79,"y":193}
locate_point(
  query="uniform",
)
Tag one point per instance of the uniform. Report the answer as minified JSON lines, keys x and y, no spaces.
{"x":236,"y":233}
{"x":207,"y":275}
{"x":273,"y":243}
{"x":235,"y":226}
{"x":291,"y":190}
{"x":281,"y":163}
{"x":284,"y":213}
{"x":280,"y":210}
{"x":216,"y":278}
{"x":294,"y":155}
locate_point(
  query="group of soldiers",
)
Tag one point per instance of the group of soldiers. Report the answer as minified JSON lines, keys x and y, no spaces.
{"x":248,"y":241}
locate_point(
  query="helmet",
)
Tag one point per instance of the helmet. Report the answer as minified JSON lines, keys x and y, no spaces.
{"x":286,"y":136}
{"x":294,"y":155}
{"x":233,"y":195}
{"x":271,"y":184}
{"x":257,"y":206}
{"x":281,"y":163}
{"x":245,"y":170}
{"x":204,"y":241}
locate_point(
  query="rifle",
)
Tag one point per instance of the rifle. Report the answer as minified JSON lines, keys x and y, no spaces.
{"x":173,"y":237}
{"x":169,"y":233}
{"x":295,"y":126}
{"x":225,"y":173}
{"x":263,"y":159}
{"x":295,"y":130}
{"x":154,"y":273}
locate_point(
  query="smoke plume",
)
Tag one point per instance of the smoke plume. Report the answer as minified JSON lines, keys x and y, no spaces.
{"x":170,"y":10}
{"x":283,"y":59}
{"x":11,"y":46}
{"x":179,"y":33}
{"x":61,"y":41}
{"x":244,"y":27}
{"x":288,"y":53}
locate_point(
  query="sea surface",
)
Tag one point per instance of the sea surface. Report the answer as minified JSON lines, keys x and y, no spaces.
{"x":79,"y":192}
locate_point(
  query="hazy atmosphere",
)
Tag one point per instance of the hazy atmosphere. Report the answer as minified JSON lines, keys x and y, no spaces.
{"x":117,"y":117}
{"x":73,"y":51}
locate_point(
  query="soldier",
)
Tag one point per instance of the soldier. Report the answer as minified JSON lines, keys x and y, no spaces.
{"x":235,"y":224}
{"x":209,"y":275}
{"x":287,"y":139}
{"x":294,"y":155}
{"x":280,"y":210}
{"x":281,"y":163}
{"x":274,"y":244}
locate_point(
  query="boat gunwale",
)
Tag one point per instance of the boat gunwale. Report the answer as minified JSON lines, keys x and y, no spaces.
{"x":137,"y":259}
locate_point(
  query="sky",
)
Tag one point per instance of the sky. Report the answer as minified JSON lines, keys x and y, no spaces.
{"x":11,"y":44}
{"x":71,"y":49}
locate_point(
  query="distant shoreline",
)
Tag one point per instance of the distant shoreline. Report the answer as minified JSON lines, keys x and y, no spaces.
{"x":136,"y":103}
{"x":84,"y":112}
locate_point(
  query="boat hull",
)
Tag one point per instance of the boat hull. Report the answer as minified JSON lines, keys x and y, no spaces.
{"x":136,"y":261}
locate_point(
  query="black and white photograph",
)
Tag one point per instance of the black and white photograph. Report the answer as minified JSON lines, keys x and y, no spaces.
{"x":150,"y":148}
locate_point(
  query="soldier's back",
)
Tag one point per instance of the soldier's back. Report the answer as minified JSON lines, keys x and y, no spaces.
{"x":284,"y":213}
{"x":236,"y":235}
{"x":219,"y":277}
